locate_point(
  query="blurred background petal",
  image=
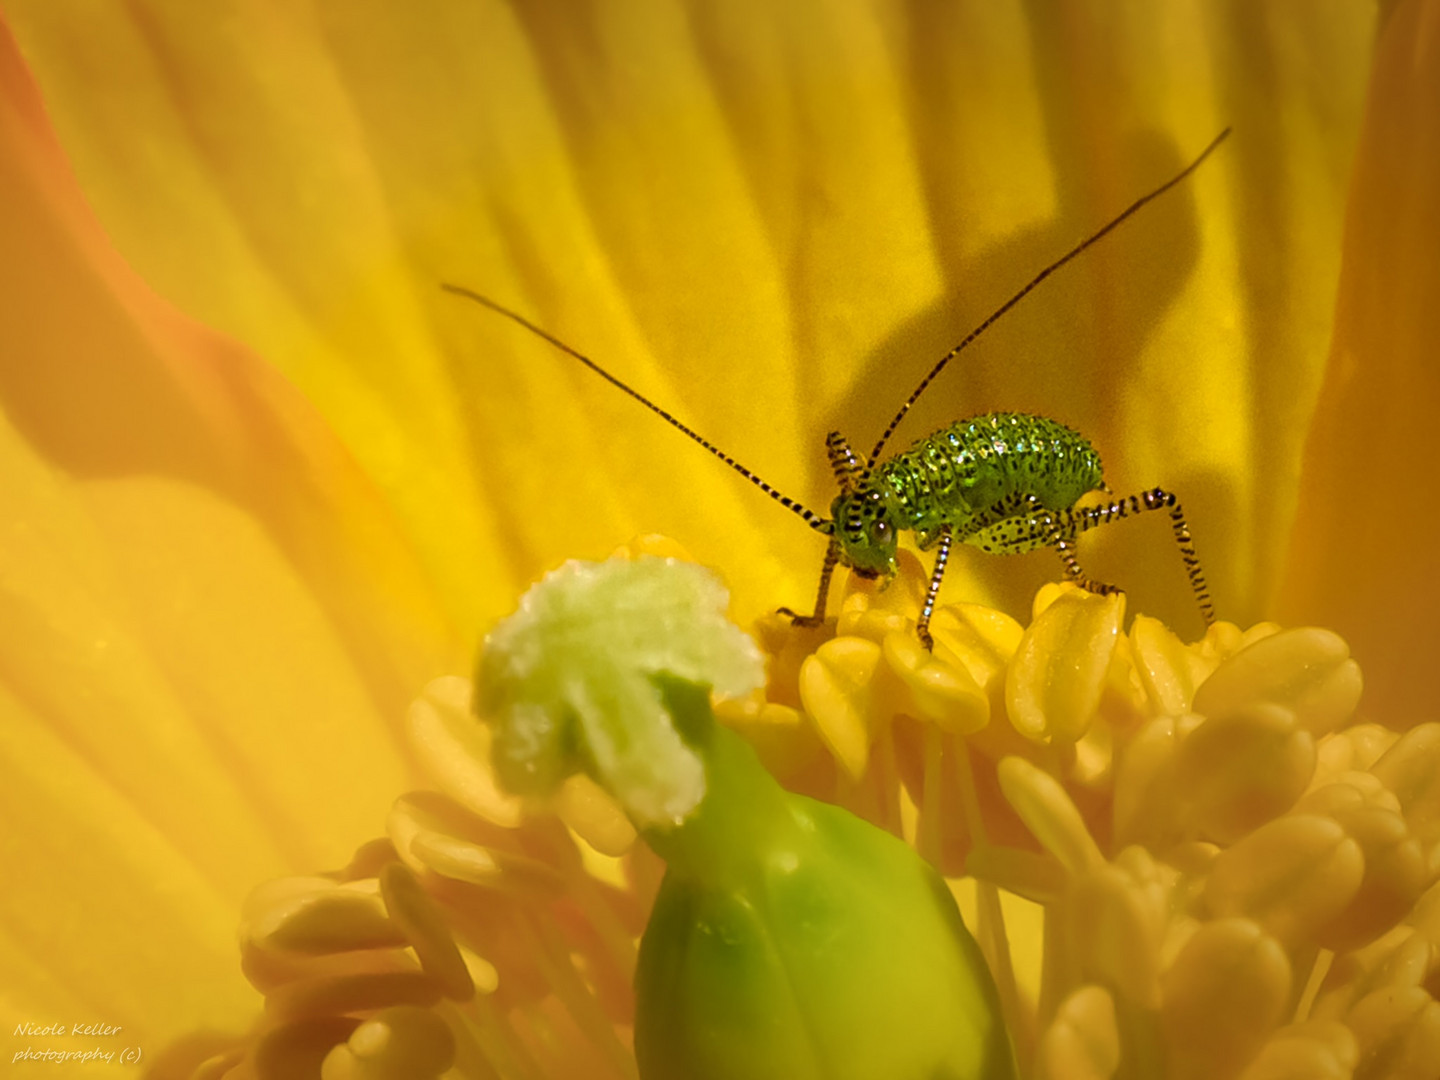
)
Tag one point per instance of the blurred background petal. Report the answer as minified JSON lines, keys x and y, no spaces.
{"x":1363,"y":553}
{"x":209,"y":628}
{"x":770,"y":220}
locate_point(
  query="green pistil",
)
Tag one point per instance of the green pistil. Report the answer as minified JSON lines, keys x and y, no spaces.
{"x":789,"y":939}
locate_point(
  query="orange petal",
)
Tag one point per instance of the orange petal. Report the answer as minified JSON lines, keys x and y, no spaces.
{"x":1362,"y":557}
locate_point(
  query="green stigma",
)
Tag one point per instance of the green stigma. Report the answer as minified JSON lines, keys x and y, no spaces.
{"x":568,"y":681}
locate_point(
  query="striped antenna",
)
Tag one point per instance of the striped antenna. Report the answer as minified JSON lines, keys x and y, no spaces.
{"x":1036,"y":280}
{"x":812,"y":519}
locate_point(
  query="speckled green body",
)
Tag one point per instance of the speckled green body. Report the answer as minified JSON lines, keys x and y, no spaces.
{"x":958,"y":477}
{"x":957,"y":474}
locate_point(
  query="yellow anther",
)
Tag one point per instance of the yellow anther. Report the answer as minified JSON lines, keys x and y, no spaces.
{"x":1146,"y":809}
{"x":426,"y":931}
{"x":1143,"y":872}
{"x":1054,"y":683}
{"x":266,"y":897}
{"x":298,"y":1048}
{"x":487,"y":867}
{"x":1292,"y":876}
{"x":1349,"y":791}
{"x":1386,"y":961}
{"x":1396,"y":868}
{"x":1409,"y":964}
{"x":455,"y":750}
{"x":431,"y":832}
{"x":400,"y":1043}
{"x":837,"y":686}
{"x":938,"y":690}
{"x":1398,"y":1029}
{"x":584,"y":806}
{"x":1083,"y":1041}
{"x":1223,"y":640}
{"x":269,"y":969}
{"x":1051,"y":591}
{"x":1094,"y":758}
{"x":1307,"y":670}
{"x":1221,"y":998}
{"x":1426,"y":916}
{"x":367,"y":861}
{"x":1039,"y":878}
{"x":1049,"y":814}
{"x":1353,"y":748}
{"x":1114,"y":934}
{"x":483,"y":974}
{"x":980,"y":638}
{"x":872,"y":612}
{"x":1124,"y":705}
{"x":333,"y":918}
{"x":1322,"y":1050}
{"x":1239,"y":770}
{"x":786,"y":741}
{"x":334,"y":995}
{"x":1193,"y":858}
{"x":1169,"y":669}
{"x":1411,"y":769}
{"x":1175,"y":954}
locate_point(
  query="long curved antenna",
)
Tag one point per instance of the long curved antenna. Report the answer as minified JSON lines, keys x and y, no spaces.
{"x":815,"y":521}
{"x":1036,"y":280}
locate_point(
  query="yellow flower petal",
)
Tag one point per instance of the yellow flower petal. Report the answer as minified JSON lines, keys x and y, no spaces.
{"x":534,"y":174}
{"x":1361,"y":554}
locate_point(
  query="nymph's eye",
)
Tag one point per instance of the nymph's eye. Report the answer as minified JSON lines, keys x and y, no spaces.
{"x":880,"y":532}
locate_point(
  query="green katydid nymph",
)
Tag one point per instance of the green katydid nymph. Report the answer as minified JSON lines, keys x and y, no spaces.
{"x":1003,"y":482}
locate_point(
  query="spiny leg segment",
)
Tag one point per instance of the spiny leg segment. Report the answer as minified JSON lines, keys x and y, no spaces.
{"x":827,"y":570}
{"x":942,"y":556}
{"x":1073,"y":522}
{"x":846,"y":467}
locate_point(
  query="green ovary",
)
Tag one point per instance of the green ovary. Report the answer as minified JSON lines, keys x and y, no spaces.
{"x":829,"y":951}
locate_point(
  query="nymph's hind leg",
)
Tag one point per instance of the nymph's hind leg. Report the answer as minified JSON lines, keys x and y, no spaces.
{"x":827,"y":570}
{"x":1025,"y":525}
{"x":1070,"y":523}
{"x":1065,"y":548}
